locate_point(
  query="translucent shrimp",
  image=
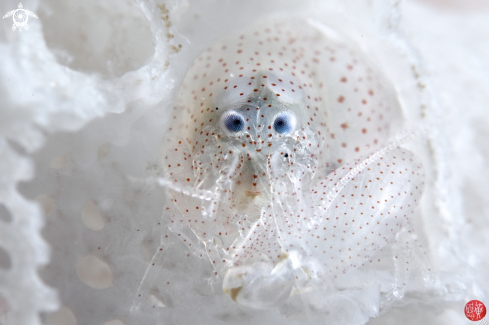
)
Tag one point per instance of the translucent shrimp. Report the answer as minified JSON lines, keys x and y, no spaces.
{"x":278,"y":164}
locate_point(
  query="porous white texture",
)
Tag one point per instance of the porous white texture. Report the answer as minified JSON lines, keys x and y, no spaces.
{"x":85,"y":103}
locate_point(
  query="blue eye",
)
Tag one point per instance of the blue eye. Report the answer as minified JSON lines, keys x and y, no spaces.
{"x":233,"y":122}
{"x":285,"y":123}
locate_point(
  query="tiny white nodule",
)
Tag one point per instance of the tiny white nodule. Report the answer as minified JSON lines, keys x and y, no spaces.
{"x":278,"y":163}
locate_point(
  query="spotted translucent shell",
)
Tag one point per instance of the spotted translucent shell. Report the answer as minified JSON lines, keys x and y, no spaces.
{"x":278,"y":164}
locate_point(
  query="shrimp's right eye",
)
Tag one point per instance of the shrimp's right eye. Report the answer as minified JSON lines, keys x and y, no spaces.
{"x":285,"y":123}
{"x":232,"y":122}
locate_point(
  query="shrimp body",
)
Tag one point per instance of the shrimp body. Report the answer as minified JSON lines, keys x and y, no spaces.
{"x":275,"y":161}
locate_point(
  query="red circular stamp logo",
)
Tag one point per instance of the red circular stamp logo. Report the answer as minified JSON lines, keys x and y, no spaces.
{"x":475,"y":310}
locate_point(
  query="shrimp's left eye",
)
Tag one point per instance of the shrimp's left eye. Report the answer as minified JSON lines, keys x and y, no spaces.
{"x":285,"y":123}
{"x":232,"y":121}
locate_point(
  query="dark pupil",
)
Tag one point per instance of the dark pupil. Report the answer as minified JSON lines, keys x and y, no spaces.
{"x":234,"y":123}
{"x":280,"y":125}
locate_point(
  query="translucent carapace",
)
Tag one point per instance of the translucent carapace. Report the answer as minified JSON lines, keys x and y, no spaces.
{"x":277,"y":161}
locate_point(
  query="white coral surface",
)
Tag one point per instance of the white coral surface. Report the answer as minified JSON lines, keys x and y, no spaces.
{"x":86,"y":96}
